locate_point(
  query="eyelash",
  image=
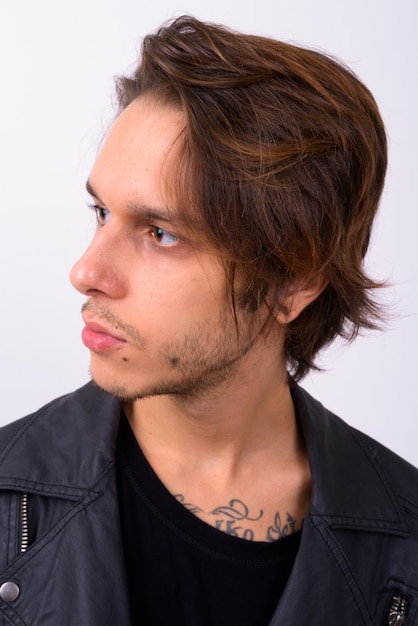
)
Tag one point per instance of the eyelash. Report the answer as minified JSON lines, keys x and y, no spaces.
{"x":97,"y":210}
{"x":102,"y":216}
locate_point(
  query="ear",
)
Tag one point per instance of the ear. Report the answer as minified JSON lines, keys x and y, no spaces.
{"x":299,"y":297}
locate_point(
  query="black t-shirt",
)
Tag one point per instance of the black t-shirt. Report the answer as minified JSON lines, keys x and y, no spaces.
{"x":182,"y":571}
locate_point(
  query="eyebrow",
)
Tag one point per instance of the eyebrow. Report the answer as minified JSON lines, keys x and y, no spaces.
{"x":142,"y":210}
{"x":90,"y":190}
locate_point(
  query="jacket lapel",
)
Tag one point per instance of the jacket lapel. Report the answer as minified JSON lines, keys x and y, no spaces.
{"x":350,"y":492}
{"x":321,"y":590}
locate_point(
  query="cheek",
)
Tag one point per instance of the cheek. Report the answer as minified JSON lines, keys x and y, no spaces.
{"x":173,"y":288}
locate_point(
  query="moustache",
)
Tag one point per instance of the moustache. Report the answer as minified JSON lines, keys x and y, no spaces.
{"x":104,"y":313}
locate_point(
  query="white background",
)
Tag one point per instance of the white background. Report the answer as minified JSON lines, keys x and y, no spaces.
{"x":57,"y":62}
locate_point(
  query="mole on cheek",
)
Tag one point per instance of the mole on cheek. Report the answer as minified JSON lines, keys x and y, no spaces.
{"x":124,"y":359}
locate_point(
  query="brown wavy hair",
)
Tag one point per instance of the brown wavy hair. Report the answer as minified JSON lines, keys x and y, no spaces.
{"x":283,"y":159}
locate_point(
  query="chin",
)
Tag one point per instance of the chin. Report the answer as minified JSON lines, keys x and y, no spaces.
{"x":123,"y":391}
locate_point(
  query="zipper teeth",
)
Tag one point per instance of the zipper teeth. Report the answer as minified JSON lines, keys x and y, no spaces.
{"x":398,"y":611}
{"x":24,"y":538}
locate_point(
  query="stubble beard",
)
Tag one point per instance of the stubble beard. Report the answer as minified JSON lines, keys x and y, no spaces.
{"x":201,"y":364}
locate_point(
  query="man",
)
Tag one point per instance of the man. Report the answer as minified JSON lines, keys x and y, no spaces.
{"x":194,"y":482}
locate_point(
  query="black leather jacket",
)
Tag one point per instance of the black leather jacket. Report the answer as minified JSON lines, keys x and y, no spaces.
{"x":61,"y":558}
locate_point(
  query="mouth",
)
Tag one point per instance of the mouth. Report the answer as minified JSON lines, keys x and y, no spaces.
{"x":98,"y":339}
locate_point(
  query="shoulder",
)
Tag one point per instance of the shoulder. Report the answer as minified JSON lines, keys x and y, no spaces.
{"x":402,"y":474}
{"x":77,"y":403}
{"x":64,"y":433}
{"x":316,"y":418}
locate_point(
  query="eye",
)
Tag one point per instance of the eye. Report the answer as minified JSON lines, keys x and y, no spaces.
{"x":102,"y":215}
{"x":163,"y":237}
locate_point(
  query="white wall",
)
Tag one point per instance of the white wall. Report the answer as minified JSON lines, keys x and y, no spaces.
{"x":57,"y":60}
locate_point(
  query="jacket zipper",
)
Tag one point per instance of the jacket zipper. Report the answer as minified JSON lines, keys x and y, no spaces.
{"x":398,"y":610}
{"x":24,"y":527}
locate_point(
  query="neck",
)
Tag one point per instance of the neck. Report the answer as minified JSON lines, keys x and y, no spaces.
{"x":250,"y":415}
{"x":237,"y":446}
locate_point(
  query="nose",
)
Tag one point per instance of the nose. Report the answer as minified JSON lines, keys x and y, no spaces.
{"x":96,"y":272}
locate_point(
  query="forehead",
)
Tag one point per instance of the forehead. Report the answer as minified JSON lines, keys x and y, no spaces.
{"x":140,"y":145}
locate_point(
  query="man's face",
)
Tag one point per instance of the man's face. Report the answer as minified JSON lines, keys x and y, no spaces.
{"x":157,"y":318}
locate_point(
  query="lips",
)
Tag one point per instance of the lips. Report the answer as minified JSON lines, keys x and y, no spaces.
{"x":98,"y":339}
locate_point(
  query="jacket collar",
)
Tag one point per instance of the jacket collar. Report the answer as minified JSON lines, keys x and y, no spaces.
{"x":350,"y":488}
